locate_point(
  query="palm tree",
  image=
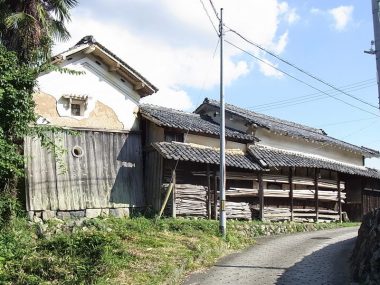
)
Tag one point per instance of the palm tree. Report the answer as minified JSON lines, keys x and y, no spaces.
{"x":29,"y":27}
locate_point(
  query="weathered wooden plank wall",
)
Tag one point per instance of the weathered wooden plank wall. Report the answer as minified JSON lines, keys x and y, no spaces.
{"x":371,"y":200}
{"x":153,"y":179}
{"x":107,"y":175}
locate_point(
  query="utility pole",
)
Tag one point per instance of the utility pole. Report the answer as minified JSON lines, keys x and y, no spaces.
{"x":376,"y":52}
{"x":222,"y":176}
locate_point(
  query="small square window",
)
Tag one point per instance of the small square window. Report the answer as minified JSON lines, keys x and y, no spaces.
{"x":75,"y":109}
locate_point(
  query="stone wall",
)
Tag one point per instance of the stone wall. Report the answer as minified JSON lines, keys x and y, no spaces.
{"x":365,"y":260}
{"x":37,"y":216}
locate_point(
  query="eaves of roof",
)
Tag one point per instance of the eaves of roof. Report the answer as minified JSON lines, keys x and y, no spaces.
{"x":203,"y":154}
{"x":90,"y":45}
{"x":287,"y":128}
{"x":171,"y":118}
{"x":274,"y":157}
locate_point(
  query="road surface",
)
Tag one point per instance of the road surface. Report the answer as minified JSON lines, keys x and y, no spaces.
{"x":311,"y":258}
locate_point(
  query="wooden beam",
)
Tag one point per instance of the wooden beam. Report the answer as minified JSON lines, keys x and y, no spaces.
{"x":89,"y":49}
{"x":339,"y":198}
{"x":215,"y":197}
{"x":114,"y":67}
{"x":261,"y":196}
{"x":291,"y":188}
{"x":174,"y":204}
{"x":169,"y":191}
{"x":316,"y":198}
{"x":208,"y":192}
{"x":138,"y":86}
{"x":362,"y":199}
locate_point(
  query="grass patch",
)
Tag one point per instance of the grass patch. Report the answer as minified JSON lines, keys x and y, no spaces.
{"x":123,"y":251}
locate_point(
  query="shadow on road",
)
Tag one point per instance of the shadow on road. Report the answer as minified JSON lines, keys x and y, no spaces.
{"x":329,"y":265}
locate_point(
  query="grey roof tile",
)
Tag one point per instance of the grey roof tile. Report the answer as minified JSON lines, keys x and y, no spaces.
{"x":191,"y":152}
{"x":273,"y":157}
{"x":171,"y":118}
{"x":288,"y":128}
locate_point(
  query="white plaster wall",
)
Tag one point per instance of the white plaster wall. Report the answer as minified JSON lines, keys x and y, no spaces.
{"x":294,"y":144}
{"x":99,"y":84}
{"x":155,"y":134}
{"x":213,"y":142}
{"x":288,"y":143}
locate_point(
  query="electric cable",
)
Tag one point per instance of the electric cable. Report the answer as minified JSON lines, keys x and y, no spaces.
{"x":364,"y":84}
{"x":301,"y":81}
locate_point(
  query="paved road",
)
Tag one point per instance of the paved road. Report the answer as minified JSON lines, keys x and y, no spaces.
{"x":311,"y":258}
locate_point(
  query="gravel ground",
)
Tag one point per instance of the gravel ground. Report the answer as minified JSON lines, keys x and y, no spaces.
{"x":310,"y":258}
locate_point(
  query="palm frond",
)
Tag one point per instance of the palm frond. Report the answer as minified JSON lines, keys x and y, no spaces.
{"x":59,"y":31}
{"x":17,"y":20}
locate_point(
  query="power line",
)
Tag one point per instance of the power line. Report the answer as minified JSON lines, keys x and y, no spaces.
{"x":348,"y":135}
{"x":301,"y":81}
{"x":214,"y":9}
{"x":299,"y":69}
{"x":364,"y":83}
{"x":294,"y":66}
{"x":319,"y":97}
{"x":209,"y":17}
{"x":345,"y":122}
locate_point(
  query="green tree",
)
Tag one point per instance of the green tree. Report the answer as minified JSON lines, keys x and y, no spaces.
{"x":30,"y":27}
{"x":17,"y":113}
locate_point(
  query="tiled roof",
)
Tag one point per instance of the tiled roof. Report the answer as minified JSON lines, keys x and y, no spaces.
{"x":273,"y":157}
{"x":90,"y":40}
{"x":288,"y":128}
{"x":202,"y":154}
{"x":188,"y":122}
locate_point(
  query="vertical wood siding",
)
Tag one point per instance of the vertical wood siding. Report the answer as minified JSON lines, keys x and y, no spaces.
{"x":153,"y":179}
{"x":371,"y":201}
{"x":108,"y":175}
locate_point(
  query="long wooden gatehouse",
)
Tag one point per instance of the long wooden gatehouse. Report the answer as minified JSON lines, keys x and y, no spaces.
{"x":263,"y":182}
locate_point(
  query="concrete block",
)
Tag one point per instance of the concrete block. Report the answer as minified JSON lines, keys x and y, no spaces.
{"x":78,"y":214}
{"x":93,"y":213}
{"x":120,"y":212}
{"x":63,"y":215}
{"x":47,"y":215}
{"x":105,"y":212}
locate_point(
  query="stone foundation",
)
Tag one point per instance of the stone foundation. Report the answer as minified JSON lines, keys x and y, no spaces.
{"x":78,"y":214}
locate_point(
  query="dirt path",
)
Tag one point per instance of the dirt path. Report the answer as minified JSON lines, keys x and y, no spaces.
{"x":307,"y":258}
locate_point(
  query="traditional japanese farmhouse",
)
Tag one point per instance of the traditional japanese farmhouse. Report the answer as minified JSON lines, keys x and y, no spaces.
{"x":115,"y":155}
{"x":98,"y":169}
{"x":276,"y":169}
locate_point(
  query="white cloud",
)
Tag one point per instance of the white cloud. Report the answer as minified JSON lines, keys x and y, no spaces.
{"x":268,"y":70}
{"x":176,"y":99}
{"x":342,"y":16}
{"x":172,"y":42}
{"x":292,"y":16}
{"x":280,"y":46}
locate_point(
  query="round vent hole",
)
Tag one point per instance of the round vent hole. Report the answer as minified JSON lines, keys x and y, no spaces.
{"x":77,"y":151}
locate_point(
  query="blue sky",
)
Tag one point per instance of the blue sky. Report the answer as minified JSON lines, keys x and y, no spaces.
{"x":172,"y":43}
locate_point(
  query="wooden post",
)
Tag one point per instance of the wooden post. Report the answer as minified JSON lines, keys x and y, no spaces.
{"x":174,"y":204}
{"x":165,"y":200}
{"x":339,"y":198}
{"x":216,"y":197}
{"x":261,"y":196}
{"x":316,"y":177}
{"x":208,"y":193}
{"x":291,"y":192}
